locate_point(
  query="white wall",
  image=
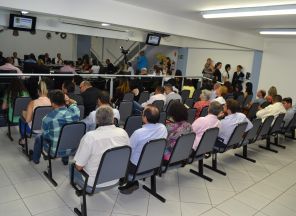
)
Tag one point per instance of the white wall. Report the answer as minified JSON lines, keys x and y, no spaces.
{"x":197,"y":59}
{"x":278,"y":66}
{"x":27,"y":43}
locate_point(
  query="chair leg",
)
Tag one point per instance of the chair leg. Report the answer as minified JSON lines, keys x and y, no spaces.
{"x":83,"y":211}
{"x":214,"y":165}
{"x":245,"y":154}
{"x":48,"y":173}
{"x":200,"y":171}
{"x":267,"y":147}
{"x":292,"y":135}
{"x":9,"y":132}
{"x":152,"y":190}
{"x":276,"y":142}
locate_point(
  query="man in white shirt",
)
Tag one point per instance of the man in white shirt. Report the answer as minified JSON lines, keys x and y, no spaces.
{"x":287,"y":102}
{"x":15,"y":59}
{"x":94,"y":143}
{"x":90,"y":120}
{"x":95,"y":68}
{"x":8,"y":66}
{"x":274,"y":109}
{"x":170,"y":94}
{"x":229,"y":123}
{"x":151,"y":130}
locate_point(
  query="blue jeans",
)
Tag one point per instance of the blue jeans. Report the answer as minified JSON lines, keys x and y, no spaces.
{"x":24,"y":128}
{"x":137,"y":108}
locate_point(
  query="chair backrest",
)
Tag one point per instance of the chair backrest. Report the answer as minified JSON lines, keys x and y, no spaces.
{"x":182,"y":148}
{"x":248,"y":100}
{"x":151,"y":155}
{"x":189,"y":102}
{"x":38,"y":115}
{"x":184,"y":95}
{"x":159,"y":104}
{"x":240,"y":99}
{"x":277,"y":125}
{"x":265,"y":104}
{"x":81,"y":108}
{"x":20,"y":104}
{"x":196,"y":94}
{"x":132,"y":123}
{"x":207,"y":141}
{"x":204,"y":111}
{"x":117,"y":158}
{"x":237,"y":134}
{"x":252,"y":133}
{"x":125,"y":110}
{"x":191,"y":115}
{"x":252,"y":111}
{"x":70,"y":136}
{"x":128,"y":97}
{"x":170,"y":104}
{"x":162,"y":117}
{"x":291,"y":125}
{"x":264,"y":129}
{"x":144,"y":96}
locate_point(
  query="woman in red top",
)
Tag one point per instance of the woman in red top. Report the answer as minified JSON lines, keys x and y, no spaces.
{"x":204,"y":102}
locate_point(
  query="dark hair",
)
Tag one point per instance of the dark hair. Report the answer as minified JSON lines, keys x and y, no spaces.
{"x":188,"y":82}
{"x":15,"y":88}
{"x":249,"y":88}
{"x":217,"y":64}
{"x":227,"y":66}
{"x":277,"y":98}
{"x":95,"y":62}
{"x":178,"y":73}
{"x":263,"y":93}
{"x":229,"y":87}
{"x":241,"y":67}
{"x":69,"y":85}
{"x":238,"y":87}
{"x":104,"y":97}
{"x":178,"y":112}
{"x":151,"y":112}
{"x":233,"y":105}
{"x":287,"y":100}
{"x":159,"y":89}
{"x":32,"y":56}
{"x":57,"y":97}
{"x":78,"y":80}
{"x":129,"y":64}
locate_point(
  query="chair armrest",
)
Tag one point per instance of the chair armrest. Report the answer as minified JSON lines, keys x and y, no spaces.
{"x":79,"y":192}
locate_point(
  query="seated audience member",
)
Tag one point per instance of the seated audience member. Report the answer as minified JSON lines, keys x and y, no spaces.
{"x":8,"y":66}
{"x":272,"y":91}
{"x":201,"y":124}
{"x":103,"y":100}
{"x":16,"y":60}
{"x":151,"y":130}
{"x":94,"y":143}
{"x":95,"y":68}
{"x":249,"y":89}
{"x":221,"y":92}
{"x":238,"y":91}
{"x":229,"y":87}
{"x":68,"y":89}
{"x":26,"y":121}
{"x":59,"y":59}
{"x":77,"y":80}
{"x":15,"y":89}
{"x":287,"y":102}
{"x":2,"y":59}
{"x":31,"y":59}
{"x":90,"y":96}
{"x":110,"y":67}
{"x":188,"y":85}
{"x":47,"y":59}
{"x":67,"y":68}
{"x":204,"y":102}
{"x":213,"y":91}
{"x":52,"y":124}
{"x":229,"y":123}
{"x":260,"y":97}
{"x":170,"y":94}
{"x":272,"y":110}
{"x":120,"y":91}
{"x":176,"y":126}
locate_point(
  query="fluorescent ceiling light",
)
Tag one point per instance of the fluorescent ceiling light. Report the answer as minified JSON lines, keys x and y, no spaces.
{"x":24,"y":12}
{"x":278,"y":32}
{"x":250,"y":11}
{"x":105,"y":24}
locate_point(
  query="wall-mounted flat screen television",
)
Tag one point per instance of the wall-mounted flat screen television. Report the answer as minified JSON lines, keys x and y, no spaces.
{"x":153,"y":39}
{"x":22,"y":23}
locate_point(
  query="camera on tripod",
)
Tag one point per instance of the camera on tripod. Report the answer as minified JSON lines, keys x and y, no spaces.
{"x":123,"y":51}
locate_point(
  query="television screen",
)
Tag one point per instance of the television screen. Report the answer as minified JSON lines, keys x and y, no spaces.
{"x":23,"y":23}
{"x":153,"y":39}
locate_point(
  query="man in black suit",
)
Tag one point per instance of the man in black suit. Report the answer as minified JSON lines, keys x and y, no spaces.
{"x":90,"y":96}
{"x":238,"y":76}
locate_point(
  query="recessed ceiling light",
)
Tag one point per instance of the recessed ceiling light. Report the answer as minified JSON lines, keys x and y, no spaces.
{"x":24,"y":12}
{"x":105,"y":24}
{"x":279,"y":32}
{"x":250,"y":11}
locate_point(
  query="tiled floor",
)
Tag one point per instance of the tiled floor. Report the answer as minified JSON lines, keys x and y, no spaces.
{"x":267,"y":187}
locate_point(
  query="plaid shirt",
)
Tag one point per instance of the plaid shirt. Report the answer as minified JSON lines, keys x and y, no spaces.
{"x":53,"y":122}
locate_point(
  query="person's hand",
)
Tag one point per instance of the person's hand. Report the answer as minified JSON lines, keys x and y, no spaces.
{"x":68,"y":100}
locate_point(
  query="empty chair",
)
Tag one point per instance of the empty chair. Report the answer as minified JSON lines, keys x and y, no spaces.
{"x":132,"y":123}
{"x":159,"y":104}
{"x":204,"y":111}
{"x":170,"y":103}
{"x":247,"y":101}
{"x":205,"y":146}
{"x":67,"y":145}
{"x":81,"y":108}
{"x":189,"y":102}
{"x":184,"y":95}
{"x":125,"y":110}
{"x":191,"y":115}
{"x":20,"y":104}
{"x":162,"y":117}
{"x":128,"y":97}
{"x":144,"y":96}
{"x":249,"y":139}
{"x":252,"y":111}
{"x":196,"y":95}
{"x":119,"y":156}
{"x":264,"y":129}
{"x":289,"y":128}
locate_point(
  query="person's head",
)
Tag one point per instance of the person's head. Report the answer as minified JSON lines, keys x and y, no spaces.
{"x":9,"y":60}
{"x":67,"y":63}
{"x":84,"y":85}
{"x":77,"y":80}
{"x":188,"y":82}
{"x":272,"y":91}
{"x":232,"y":106}
{"x":46,"y":55}
{"x":104,"y":116}
{"x":150,"y":114}
{"x":59,"y":56}
{"x":205,"y":95}
{"x":104,"y":98}
{"x":40,"y":62}
{"x":124,"y":86}
{"x":1,"y":53}
{"x":178,"y":112}
{"x":249,"y":88}
{"x":142,"y":53}
{"x":261,"y":94}
{"x":277,"y":99}
{"x":14,"y":54}
{"x":108,"y":61}
{"x":287,"y":102}
{"x":227,"y":67}
{"x":218,"y":65}
{"x":216,"y":86}
{"x":239,"y":68}
{"x":42,"y":88}
{"x":94,"y":62}
{"x":144,"y":71}
{"x":221,"y":91}
{"x":178,"y":73}
{"x":129,"y":64}
{"x":209,"y":61}
{"x":32,"y":56}
{"x":168,"y":88}
{"x":215,"y":108}
{"x":159,"y":90}
{"x":57,"y":98}
{"x":15,"y":88}
{"x":68,"y":87}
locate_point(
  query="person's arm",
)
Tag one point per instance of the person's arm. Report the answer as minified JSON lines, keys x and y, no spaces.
{"x":263,"y":113}
{"x":29,"y":112}
{"x":83,"y":153}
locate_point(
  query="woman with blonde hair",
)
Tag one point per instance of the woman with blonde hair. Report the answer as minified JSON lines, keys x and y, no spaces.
{"x":26,"y":120}
{"x":120,"y":91}
{"x":272,"y":91}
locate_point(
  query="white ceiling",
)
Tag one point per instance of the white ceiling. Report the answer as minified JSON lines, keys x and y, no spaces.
{"x":190,"y":9}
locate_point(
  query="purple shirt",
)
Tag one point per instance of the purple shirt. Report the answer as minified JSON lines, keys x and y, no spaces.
{"x":9,"y":66}
{"x":67,"y":68}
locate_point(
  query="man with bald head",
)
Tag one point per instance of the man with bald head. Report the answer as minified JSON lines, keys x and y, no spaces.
{"x":151,"y":130}
{"x":90,"y":96}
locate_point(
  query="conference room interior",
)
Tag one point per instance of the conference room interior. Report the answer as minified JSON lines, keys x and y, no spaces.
{"x":187,"y":48}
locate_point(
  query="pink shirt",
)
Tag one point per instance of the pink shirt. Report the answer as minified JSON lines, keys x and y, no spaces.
{"x":9,"y":66}
{"x":201,"y":124}
{"x":67,"y":68}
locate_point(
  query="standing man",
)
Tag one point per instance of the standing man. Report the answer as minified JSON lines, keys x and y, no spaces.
{"x":238,"y":76}
{"x":142,"y":61}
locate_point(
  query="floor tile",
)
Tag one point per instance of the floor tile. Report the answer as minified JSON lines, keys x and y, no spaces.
{"x":8,"y":194}
{"x":33,"y":187}
{"x":194,"y":195}
{"x":252,"y":199}
{"x":219,"y":196}
{"x":169,"y":208}
{"x":235,"y":207}
{"x":191,"y":209}
{"x":63,"y":211}
{"x":15,"y":208}
{"x":275,"y":209}
{"x":214,"y":212}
